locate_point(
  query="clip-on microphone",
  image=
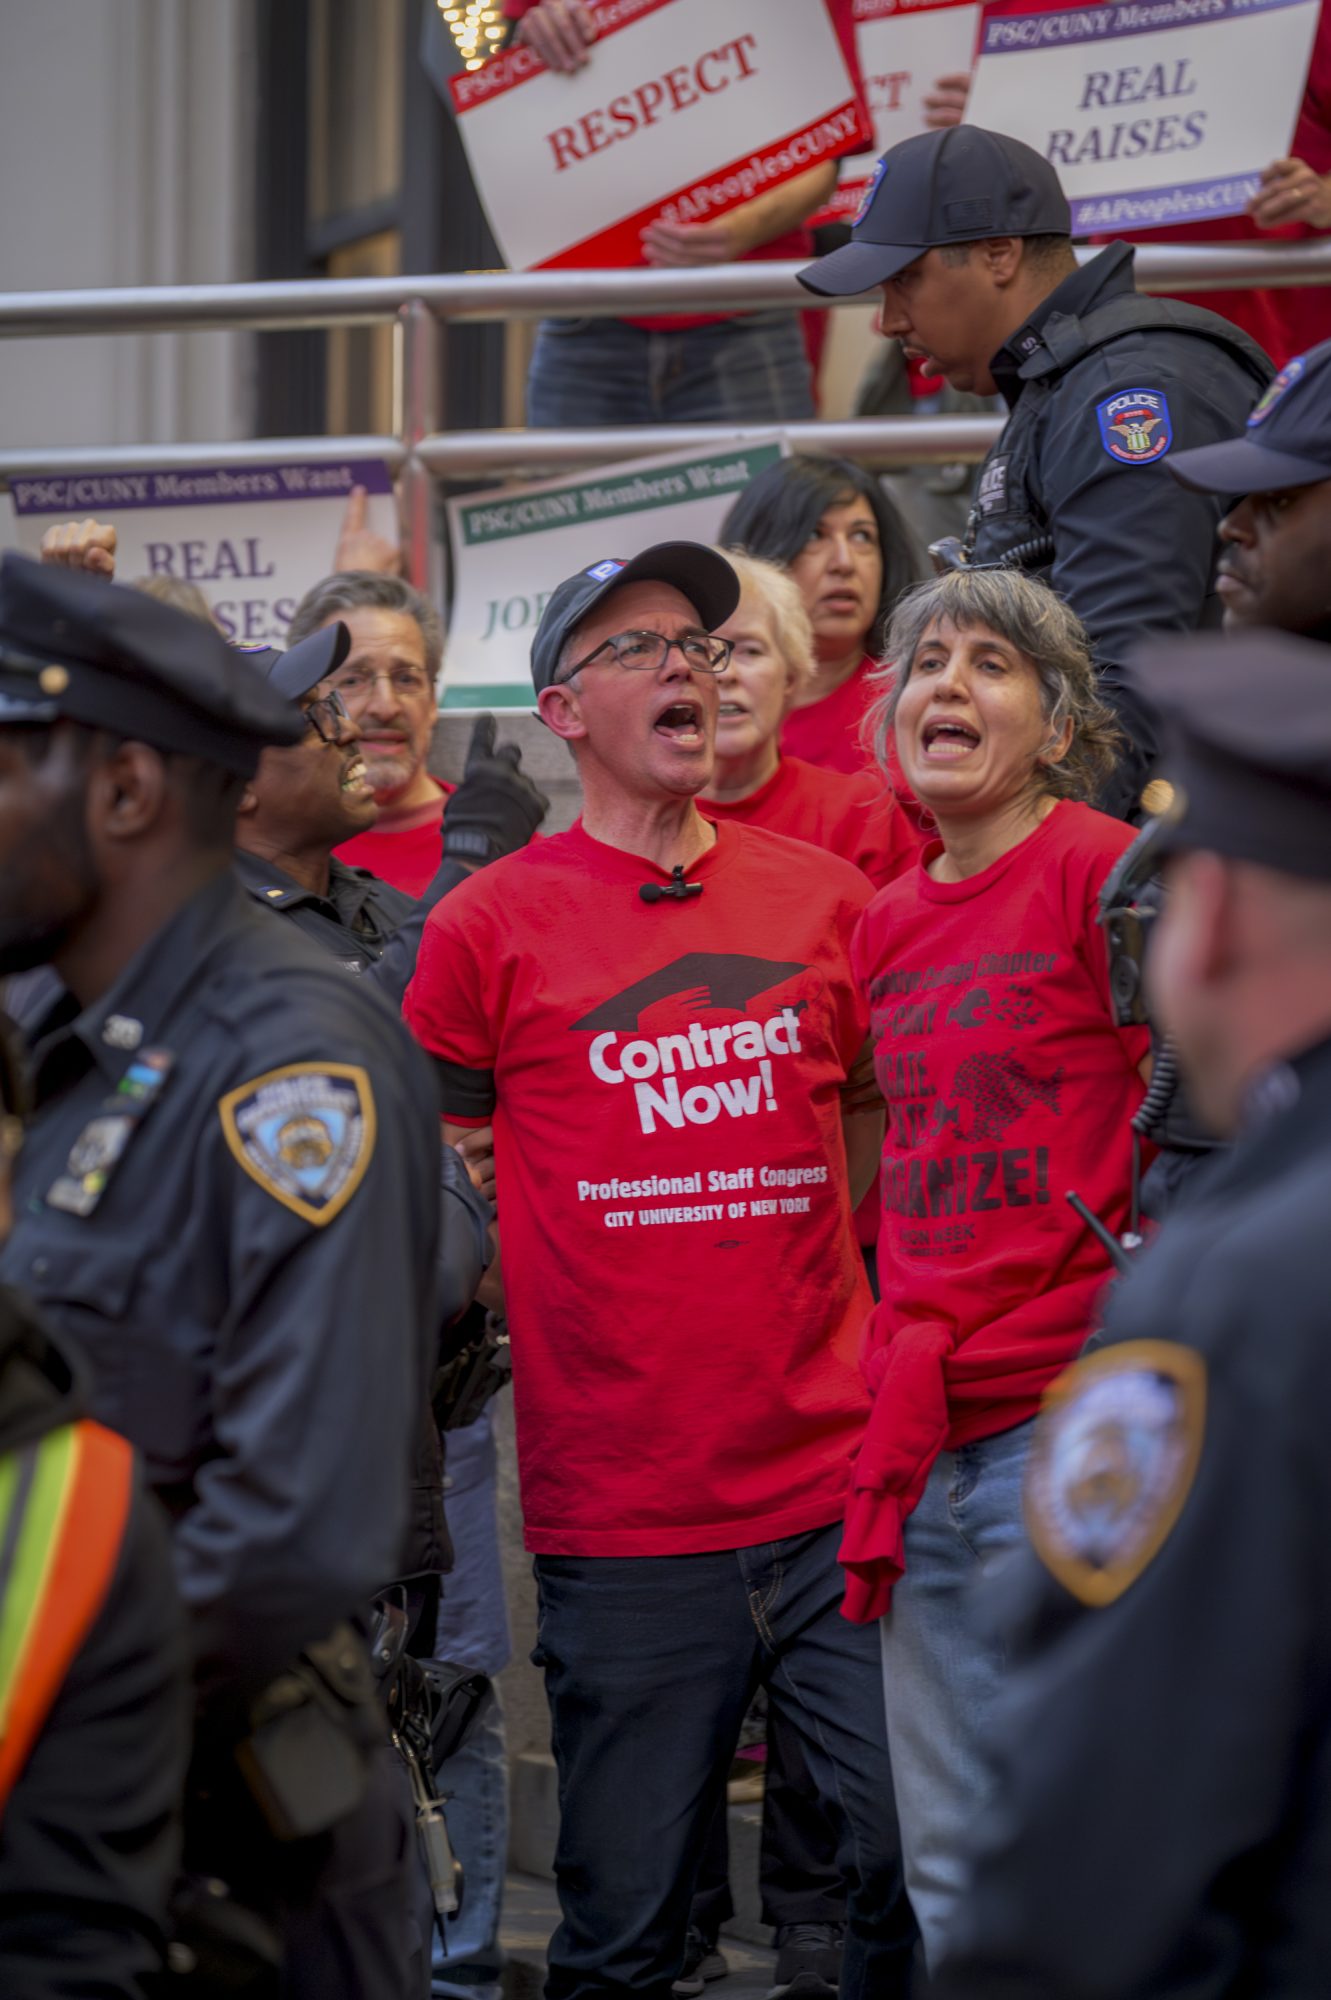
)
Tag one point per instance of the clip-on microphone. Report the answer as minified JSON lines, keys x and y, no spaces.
{"x":677,"y":889}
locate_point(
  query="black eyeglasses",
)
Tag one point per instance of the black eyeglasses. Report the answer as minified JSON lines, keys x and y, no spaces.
{"x":644,"y":652}
{"x":326,"y":716}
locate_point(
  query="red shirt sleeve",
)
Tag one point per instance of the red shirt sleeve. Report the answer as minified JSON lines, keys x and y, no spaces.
{"x":447,"y":1009}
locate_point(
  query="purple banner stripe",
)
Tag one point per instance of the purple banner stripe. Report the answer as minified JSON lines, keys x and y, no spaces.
{"x":1192,"y":201}
{"x":1019,"y":34}
{"x":200,"y":486}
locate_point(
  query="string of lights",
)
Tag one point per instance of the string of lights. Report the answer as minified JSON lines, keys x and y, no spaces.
{"x":475,"y":27}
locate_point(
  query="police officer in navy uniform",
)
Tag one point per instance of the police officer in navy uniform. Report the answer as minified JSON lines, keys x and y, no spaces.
{"x":228,"y":1201}
{"x":94,"y":1674}
{"x":967,"y":232}
{"x":1275,"y":541}
{"x":1161,"y":1820}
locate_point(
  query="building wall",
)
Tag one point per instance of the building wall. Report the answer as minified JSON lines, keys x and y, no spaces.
{"x":126,"y":145}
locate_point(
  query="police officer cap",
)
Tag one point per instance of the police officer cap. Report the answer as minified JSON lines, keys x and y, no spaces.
{"x":76,"y":647}
{"x":1286,"y":441}
{"x":698,"y":573}
{"x":1246,"y":745}
{"x":957,"y":186}
{"x":302,"y":666}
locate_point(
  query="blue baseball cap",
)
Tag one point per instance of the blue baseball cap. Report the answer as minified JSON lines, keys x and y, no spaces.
{"x":302,"y":666}
{"x":697,"y":572}
{"x":957,"y":186}
{"x":1286,"y":441}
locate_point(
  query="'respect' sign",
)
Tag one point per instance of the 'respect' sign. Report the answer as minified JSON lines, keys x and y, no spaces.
{"x":1152,"y":111}
{"x":252,"y":537}
{"x":684,"y":110}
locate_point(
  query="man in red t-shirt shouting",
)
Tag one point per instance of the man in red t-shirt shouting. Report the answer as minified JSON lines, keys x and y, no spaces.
{"x":657,"y":1013}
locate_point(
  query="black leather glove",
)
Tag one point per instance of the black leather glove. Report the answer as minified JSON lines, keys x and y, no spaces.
{"x":496,"y":809}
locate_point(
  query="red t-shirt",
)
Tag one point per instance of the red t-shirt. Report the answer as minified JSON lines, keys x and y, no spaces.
{"x":1007,"y":1084}
{"x":683,"y":1288}
{"x":827,"y":732}
{"x":853,"y":815}
{"x":404,"y":848}
{"x":1290,"y":320}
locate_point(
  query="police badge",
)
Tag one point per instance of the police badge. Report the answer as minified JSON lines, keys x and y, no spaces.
{"x":305,"y":1133}
{"x":1114,"y":1457}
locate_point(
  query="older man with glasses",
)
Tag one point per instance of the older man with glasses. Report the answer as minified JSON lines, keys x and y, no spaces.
{"x":658,"y":1015}
{"x":387,"y":680}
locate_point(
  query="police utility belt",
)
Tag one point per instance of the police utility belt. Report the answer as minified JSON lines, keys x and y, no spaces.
{"x":306,"y":1753}
{"x":476,"y":1371}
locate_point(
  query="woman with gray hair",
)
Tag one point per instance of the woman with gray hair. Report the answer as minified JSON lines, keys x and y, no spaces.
{"x":1007,"y":1086}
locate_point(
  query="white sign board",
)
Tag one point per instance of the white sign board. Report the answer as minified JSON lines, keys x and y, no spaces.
{"x":685,"y":109}
{"x":511,"y":547}
{"x":1153,"y":111}
{"x":252,"y":537}
{"x":903,"y":47}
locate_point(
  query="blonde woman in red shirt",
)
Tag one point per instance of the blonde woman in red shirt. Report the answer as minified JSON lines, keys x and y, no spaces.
{"x":771,"y":667}
{"x":1007,"y":1084}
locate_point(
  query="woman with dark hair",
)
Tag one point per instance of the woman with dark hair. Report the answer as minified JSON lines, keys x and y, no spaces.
{"x":828,"y":522}
{"x":1008,"y":1085}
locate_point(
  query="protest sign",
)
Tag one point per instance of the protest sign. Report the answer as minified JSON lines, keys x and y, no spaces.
{"x":686,"y":109}
{"x":903,"y":46}
{"x":513,"y":545}
{"x":252,"y":537}
{"x":1152,"y":111}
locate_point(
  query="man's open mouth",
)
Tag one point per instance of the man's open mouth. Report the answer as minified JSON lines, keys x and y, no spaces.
{"x":948,"y":738}
{"x":355,"y":778}
{"x":681,"y":722}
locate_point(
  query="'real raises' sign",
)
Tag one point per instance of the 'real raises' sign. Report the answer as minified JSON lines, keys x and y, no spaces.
{"x":252,"y":537}
{"x":1152,"y":111}
{"x":512,"y":546}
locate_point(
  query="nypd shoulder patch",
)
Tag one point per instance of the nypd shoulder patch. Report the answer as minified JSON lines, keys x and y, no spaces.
{"x":305,"y":1133}
{"x":1114,"y":1457}
{"x":1135,"y":426}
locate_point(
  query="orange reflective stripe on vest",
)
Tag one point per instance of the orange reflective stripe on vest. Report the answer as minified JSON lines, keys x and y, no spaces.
{"x":64,"y":1501}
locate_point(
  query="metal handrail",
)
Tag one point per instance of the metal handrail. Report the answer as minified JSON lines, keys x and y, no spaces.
{"x":874,"y":441}
{"x":420,"y":450}
{"x":474,"y":296}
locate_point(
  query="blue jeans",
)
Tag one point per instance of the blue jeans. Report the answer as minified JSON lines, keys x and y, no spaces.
{"x":473,"y":1632}
{"x":752,"y":370}
{"x":941,"y":1672}
{"x":650,"y":1664}
{"x":475,"y":1783}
